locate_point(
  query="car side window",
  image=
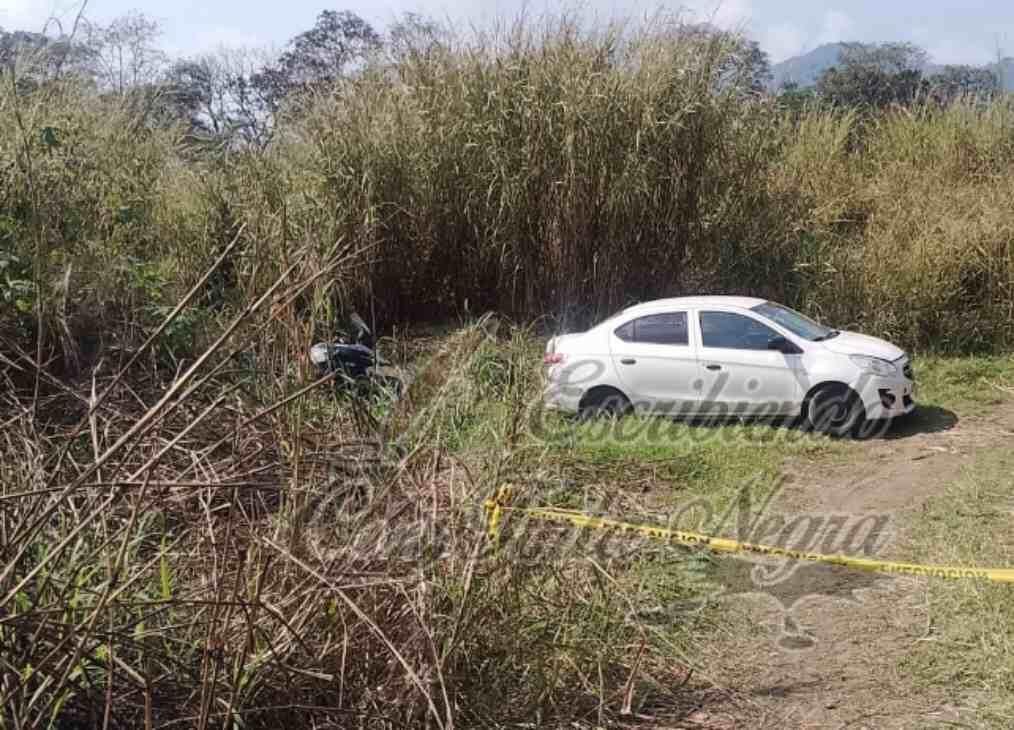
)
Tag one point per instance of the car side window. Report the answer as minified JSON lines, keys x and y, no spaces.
{"x":734,"y":331}
{"x":657,"y":329}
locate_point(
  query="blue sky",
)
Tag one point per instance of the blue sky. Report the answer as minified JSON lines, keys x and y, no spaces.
{"x":952,"y":32}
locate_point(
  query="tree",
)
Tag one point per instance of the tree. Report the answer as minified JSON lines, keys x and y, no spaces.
{"x":42,"y":56}
{"x":874,"y":75}
{"x":743,"y":64}
{"x":197,"y":91}
{"x":124,"y":53}
{"x":214,"y":93}
{"x":952,"y":82}
{"x":890,"y":58}
{"x":328,"y":51}
{"x":754,"y":65}
{"x":796,"y":98}
{"x":17,"y":43}
{"x":414,"y":34}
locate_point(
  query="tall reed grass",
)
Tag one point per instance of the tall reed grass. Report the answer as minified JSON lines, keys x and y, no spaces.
{"x":543,"y":169}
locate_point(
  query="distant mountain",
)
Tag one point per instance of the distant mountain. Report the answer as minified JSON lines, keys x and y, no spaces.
{"x":807,"y":68}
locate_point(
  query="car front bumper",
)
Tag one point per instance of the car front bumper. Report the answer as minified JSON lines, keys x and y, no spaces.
{"x":889,"y":397}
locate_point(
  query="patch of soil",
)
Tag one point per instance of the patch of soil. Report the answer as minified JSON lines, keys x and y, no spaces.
{"x":828,"y":655}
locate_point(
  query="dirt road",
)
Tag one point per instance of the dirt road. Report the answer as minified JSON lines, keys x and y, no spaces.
{"x":826,"y":650}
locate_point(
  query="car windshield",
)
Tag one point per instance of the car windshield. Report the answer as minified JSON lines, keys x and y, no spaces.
{"x":798,"y":324}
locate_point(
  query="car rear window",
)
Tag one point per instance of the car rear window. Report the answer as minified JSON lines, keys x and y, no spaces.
{"x":669,"y":328}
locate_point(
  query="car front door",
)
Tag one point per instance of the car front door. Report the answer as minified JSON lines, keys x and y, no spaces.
{"x":741,"y":375}
{"x":656,"y":358}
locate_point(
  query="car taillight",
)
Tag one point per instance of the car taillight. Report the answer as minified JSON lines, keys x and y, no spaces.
{"x":553,"y":358}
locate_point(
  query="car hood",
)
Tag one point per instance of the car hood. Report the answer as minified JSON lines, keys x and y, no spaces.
{"x":853,"y":343}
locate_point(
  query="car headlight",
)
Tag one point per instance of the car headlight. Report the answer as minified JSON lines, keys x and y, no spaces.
{"x":874,"y":365}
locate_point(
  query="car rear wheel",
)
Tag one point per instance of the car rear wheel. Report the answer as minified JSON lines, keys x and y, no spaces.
{"x":835,"y":410}
{"x":604,"y":404}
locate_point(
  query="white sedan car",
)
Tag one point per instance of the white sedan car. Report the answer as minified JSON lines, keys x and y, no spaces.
{"x":717,"y":356}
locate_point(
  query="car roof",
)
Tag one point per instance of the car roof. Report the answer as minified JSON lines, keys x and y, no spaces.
{"x":698,"y":301}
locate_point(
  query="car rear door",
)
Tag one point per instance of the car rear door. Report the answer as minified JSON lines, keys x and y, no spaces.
{"x":655,"y":356}
{"x":741,"y":375}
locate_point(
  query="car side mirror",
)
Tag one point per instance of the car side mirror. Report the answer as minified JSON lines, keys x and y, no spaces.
{"x":783,"y":345}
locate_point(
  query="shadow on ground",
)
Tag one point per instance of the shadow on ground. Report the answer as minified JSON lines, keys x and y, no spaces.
{"x":925,"y":419}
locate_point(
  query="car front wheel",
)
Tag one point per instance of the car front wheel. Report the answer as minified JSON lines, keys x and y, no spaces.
{"x":835,"y":410}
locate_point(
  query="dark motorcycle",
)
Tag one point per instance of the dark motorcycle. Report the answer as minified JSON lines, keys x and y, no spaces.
{"x":353,"y":360}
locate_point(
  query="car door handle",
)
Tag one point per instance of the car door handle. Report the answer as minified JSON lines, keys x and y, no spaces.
{"x":713,"y":367}
{"x":628,"y":361}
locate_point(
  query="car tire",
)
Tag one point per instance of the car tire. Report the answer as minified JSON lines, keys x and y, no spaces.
{"x":604,"y":404}
{"x":835,"y":410}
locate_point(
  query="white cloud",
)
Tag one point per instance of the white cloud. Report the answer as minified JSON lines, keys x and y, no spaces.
{"x":209,"y":39}
{"x":731,"y":14}
{"x":947,"y":52}
{"x":953,"y":50}
{"x":783,"y":41}
{"x":835,"y":26}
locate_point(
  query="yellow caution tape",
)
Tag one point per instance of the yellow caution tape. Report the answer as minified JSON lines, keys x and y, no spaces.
{"x":495,"y":507}
{"x":494,"y":512}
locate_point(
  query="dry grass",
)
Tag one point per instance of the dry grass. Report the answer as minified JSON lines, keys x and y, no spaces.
{"x":229,"y":547}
